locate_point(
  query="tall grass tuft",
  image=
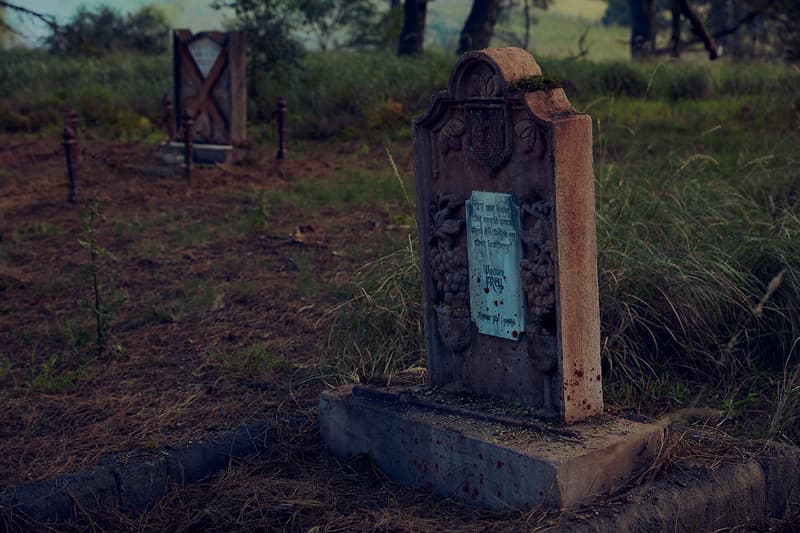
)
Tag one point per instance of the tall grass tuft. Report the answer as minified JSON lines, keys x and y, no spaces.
{"x":698,"y":258}
{"x":698,"y":231}
{"x":378,"y":331}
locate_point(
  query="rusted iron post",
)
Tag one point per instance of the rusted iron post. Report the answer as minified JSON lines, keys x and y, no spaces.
{"x":188,"y":140}
{"x":72,"y":120}
{"x":169,"y":118}
{"x":70,"y":144}
{"x":281,"y":112}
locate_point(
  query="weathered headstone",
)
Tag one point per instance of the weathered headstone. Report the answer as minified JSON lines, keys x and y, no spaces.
{"x":209,"y":82}
{"x":506,"y":217}
{"x":505,"y":208}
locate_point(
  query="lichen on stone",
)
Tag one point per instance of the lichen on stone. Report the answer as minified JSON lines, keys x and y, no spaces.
{"x":536,"y":83}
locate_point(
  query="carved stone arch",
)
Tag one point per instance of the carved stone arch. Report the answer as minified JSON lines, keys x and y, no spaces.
{"x":484,"y":80}
{"x":490,"y":73}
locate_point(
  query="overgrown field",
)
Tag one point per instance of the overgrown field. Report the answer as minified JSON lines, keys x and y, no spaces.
{"x":336,"y":94}
{"x":246,"y":295}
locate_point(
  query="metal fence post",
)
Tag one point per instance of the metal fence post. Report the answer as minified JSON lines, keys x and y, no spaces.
{"x":281,"y":113}
{"x":169,"y":118}
{"x":188,"y":140}
{"x":73,"y":120}
{"x":70,"y":144}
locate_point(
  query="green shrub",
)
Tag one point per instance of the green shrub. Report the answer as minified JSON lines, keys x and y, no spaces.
{"x":330,"y":92}
{"x":93,"y":32}
{"x":96,"y":105}
{"x":689,"y":84}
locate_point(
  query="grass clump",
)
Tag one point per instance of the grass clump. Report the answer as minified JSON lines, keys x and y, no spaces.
{"x":252,"y":360}
{"x":697,"y":248}
{"x":351,"y":187}
{"x":193,"y":298}
{"x":110,"y":93}
{"x":336,"y":90}
{"x":337,"y":93}
{"x":377,"y":333}
{"x":698,"y":220}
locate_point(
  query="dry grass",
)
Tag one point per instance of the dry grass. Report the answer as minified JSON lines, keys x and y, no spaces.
{"x":224,"y":317}
{"x":296,"y":487}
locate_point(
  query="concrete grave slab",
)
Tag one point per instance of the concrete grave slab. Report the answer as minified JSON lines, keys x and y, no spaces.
{"x":501,"y":462}
{"x":207,"y":154}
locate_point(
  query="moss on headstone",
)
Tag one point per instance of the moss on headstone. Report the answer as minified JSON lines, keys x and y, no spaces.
{"x":536,"y":83}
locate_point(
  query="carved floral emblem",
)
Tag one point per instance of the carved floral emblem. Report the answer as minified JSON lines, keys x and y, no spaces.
{"x":538,"y":267}
{"x":483,"y":83}
{"x":527,"y":132}
{"x":489,"y":141}
{"x":450,"y":135}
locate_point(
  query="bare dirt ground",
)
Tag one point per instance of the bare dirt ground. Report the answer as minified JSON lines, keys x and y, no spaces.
{"x":225,"y":291}
{"x":222,"y":321}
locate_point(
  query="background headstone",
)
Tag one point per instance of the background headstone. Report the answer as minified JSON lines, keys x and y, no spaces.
{"x":209,"y":77}
{"x":506,"y":217}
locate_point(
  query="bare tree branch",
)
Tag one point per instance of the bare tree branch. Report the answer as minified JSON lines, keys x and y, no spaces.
{"x":747,"y":19}
{"x":50,"y":20}
{"x":583,"y":50}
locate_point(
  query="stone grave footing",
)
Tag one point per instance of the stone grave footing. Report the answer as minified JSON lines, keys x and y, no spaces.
{"x":494,"y":461}
{"x":204,"y":154}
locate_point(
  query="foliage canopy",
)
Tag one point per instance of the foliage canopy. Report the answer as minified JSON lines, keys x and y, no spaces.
{"x":92,"y":32}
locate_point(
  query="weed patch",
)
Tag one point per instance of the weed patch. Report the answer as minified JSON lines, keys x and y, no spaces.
{"x":52,"y":375}
{"x":378,"y":331}
{"x":253,"y":360}
{"x":103,"y":300}
{"x":194,"y":298}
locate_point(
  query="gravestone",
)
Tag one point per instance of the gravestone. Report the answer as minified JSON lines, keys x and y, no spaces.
{"x":505,"y":208}
{"x":506,"y":221}
{"x":209,"y":83}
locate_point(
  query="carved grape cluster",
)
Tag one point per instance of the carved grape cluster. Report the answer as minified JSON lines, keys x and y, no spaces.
{"x":538,"y":267}
{"x":449,"y":261}
{"x":539,"y":280}
{"x":450,"y":273}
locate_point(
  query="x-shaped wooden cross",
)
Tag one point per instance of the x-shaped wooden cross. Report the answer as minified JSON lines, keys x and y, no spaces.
{"x":204,"y":100}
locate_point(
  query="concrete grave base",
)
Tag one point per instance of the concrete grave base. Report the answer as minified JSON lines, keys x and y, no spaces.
{"x":202,"y":153}
{"x":496,"y":461}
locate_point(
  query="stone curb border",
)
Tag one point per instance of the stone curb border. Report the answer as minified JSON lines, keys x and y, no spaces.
{"x":755,"y":489}
{"x":131,"y":484}
{"x":751,"y":491}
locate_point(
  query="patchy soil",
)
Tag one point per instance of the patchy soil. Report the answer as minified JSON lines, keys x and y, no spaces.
{"x":216,"y":294}
{"x":219,"y":299}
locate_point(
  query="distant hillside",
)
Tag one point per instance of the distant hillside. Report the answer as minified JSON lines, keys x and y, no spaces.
{"x":555,"y":33}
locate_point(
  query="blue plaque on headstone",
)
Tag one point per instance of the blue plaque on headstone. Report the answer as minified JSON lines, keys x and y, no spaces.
{"x":494,"y":248}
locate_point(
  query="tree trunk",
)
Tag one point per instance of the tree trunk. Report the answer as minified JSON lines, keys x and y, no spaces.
{"x":412,"y":36}
{"x":479,"y":27}
{"x":698,"y":28}
{"x":675,"y":39}
{"x":526,"y":12}
{"x":718,"y":19}
{"x":643,"y":28}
